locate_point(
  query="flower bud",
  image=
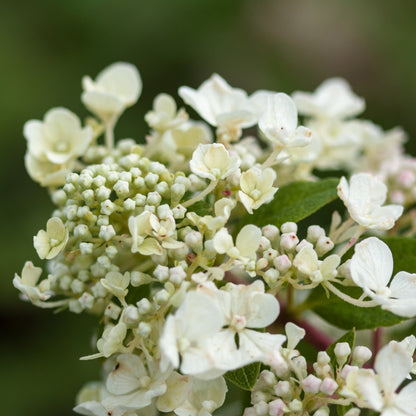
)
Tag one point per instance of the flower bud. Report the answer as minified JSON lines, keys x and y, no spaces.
{"x":144,"y":306}
{"x":322,"y":411}
{"x":271,"y":232}
{"x":277,"y":407}
{"x":323,"y":358}
{"x":296,"y":405}
{"x":112,"y":311}
{"x":328,"y":386}
{"x":264,"y":244}
{"x":282,"y":263}
{"x":361,"y":355}
{"x":342,"y":351}
{"x":311,"y":384}
{"x":323,"y":245}
{"x":261,"y":408}
{"x":314,"y":233}
{"x":161,"y":273}
{"x":289,"y":241}
{"x":283,"y":389}
{"x":177,"y":275}
{"x":131,"y":315}
{"x":289,"y":227}
{"x":153,"y":198}
{"x":144,"y":329}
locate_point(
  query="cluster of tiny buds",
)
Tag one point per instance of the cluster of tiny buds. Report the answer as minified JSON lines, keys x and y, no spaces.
{"x":283,"y":254}
{"x":289,"y":389}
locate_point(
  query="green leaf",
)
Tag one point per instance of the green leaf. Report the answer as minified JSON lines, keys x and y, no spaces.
{"x":346,"y":316}
{"x":341,"y":410}
{"x":245,"y":377}
{"x":348,"y":337}
{"x":201,"y":208}
{"x":294,"y":202}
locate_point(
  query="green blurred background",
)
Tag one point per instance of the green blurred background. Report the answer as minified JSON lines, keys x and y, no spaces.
{"x":48,"y":45}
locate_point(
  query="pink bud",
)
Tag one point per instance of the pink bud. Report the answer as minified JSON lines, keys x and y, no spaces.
{"x":329,"y":386}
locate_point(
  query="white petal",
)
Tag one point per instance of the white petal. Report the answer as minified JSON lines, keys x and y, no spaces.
{"x":122,"y":80}
{"x":372,"y":264}
{"x":248,"y":240}
{"x":126,"y":376}
{"x":392,"y":364}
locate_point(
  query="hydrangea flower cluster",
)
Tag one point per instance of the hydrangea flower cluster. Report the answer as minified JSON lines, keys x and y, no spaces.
{"x":179,"y":246}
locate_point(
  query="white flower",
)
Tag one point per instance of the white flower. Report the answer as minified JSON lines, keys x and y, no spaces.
{"x":332,"y":99}
{"x":59,"y":139}
{"x":116,"y":87}
{"x":256,"y":188}
{"x":45,"y":172}
{"x":94,"y":408}
{"x":132,"y":385}
{"x":164,"y":115}
{"x":307,"y":263}
{"x":364,"y":197}
{"x":219,"y":104}
{"x":378,"y":392}
{"x":279,"y":122}
{"x":165,"y":231}
{"x":212,"y":161}
{"x":140,"y":228}
{"x":190,"y":396}
{"x":185,"y":334}
{"x":210,"y":224}
{"x":51,"y":242}
{"x":116,"y":283}
{"x":27,"y":284}
{"x":246,"y":244}
{"x":371,"y":269}
{"x":244,"y":307}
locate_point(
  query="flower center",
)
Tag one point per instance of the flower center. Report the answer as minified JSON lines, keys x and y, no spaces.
{"x":238,"y":323}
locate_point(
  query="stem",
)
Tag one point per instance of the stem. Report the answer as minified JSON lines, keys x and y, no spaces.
{"x":377,"y":341}
{"x":352,"y":241}
{"x":202,"y":194}
{"x":349,"y":299}
{"x":271,"y":160}
{"x":109,"y":132}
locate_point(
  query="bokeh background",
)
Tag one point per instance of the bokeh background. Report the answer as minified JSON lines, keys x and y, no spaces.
{"x":46,"y":46}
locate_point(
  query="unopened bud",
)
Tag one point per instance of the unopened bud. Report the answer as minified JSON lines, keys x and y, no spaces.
{"x":289,"y":241}
{"x":315,"y":232}
{"x":311,"y":384}
{"x":161,"y":273}
{"x":295,"y":405}
{"x":271,"y":232}
{"x":328,"y":386}
{"x":282,"y":263}
{"x":283,"y":389}
{"x":322,"y":411}
{"x":361,"y":355}
{"x":289,"y":227}
{"x":277,"y":407}
{"x":342,"y":351}
{"x":131,"y":315}
{"x":144,"y":329}
{"x":323,"y":245}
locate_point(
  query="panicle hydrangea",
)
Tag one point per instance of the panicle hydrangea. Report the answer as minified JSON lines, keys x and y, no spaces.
{"x":167,"y":244}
